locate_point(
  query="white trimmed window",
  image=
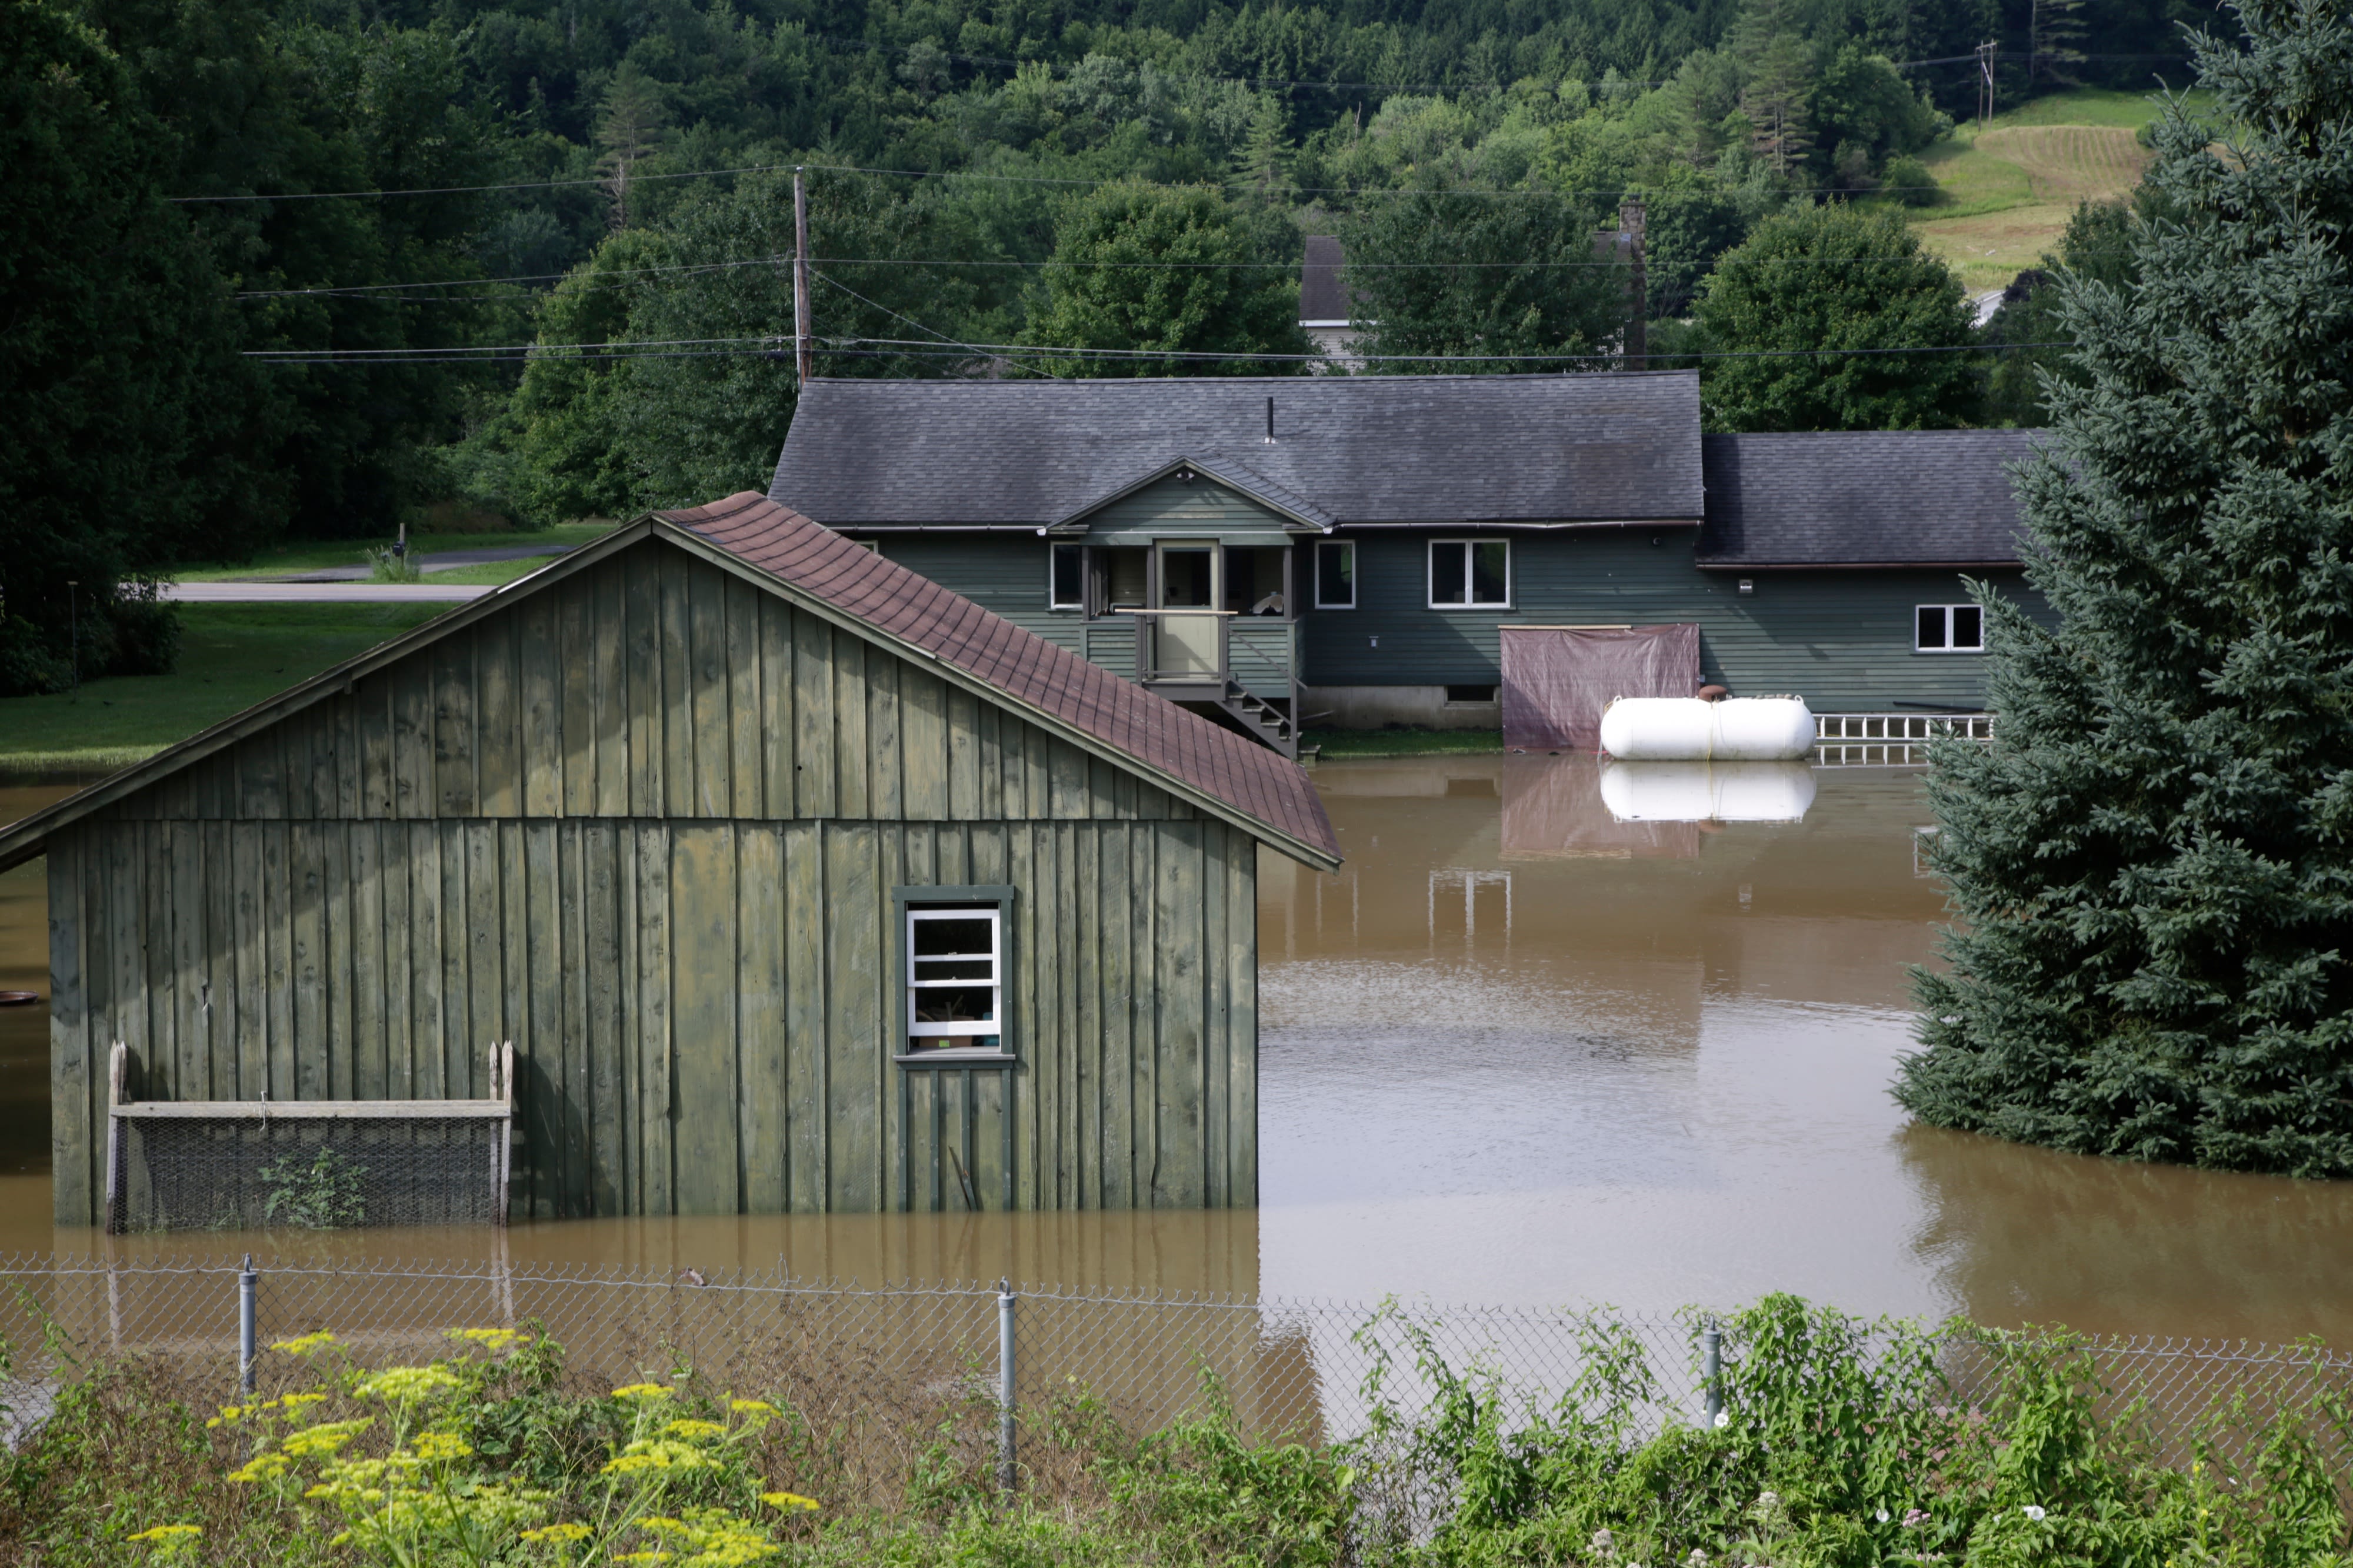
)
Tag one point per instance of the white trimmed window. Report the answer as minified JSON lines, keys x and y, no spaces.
{"x":1469,"y":573}
{"x":956,"y":978}
{"x":1336,"y":573}
{"x":1948,"y":628}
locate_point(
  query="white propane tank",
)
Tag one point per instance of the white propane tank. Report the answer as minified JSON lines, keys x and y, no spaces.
{"x":1707,"y":792}
{"x":1686,"y":730}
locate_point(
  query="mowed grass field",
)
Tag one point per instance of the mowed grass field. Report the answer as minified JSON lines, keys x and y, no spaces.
{"x":231,"y":657}
{"x":2011,"y":184}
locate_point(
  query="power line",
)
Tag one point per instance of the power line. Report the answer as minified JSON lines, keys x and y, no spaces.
{"x":779,"y":346}
{"x":996,"y":179}
{"x":379,"y":290}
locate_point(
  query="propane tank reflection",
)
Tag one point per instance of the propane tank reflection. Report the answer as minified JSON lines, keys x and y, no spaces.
{"x":1707,"y":792}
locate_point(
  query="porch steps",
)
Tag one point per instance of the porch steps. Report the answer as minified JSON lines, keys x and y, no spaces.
{"x":1261,"y":718}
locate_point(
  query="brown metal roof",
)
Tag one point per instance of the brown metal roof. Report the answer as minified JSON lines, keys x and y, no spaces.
{"x":1159,"y":734}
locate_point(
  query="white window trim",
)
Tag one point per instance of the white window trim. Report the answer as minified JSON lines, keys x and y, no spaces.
{"x":1054,"y":603}
{"x":1948,"y":648}
{"x":970,"y":1029}
{"x":1316,"y":565}
{"x":1429,"y":577}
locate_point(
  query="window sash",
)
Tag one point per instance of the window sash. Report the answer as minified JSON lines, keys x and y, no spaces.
{"x":1336,"y":574}
{"x":1948,"y":628}
{"x":953,"y":1031}
{"x":1469,"y":573}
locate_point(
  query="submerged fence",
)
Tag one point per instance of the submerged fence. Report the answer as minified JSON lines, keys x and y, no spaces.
{"x":1298,"y":1370}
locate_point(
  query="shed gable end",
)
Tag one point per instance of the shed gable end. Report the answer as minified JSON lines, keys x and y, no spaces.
{"x":651,"y":684}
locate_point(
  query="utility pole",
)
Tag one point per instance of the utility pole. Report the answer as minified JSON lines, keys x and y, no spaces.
{"x":1986,"y":53}
{"x":800,"y":277}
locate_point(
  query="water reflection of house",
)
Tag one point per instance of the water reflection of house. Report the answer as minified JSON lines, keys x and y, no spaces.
{"x":799,"y":883}
{"x":1348,"y":549}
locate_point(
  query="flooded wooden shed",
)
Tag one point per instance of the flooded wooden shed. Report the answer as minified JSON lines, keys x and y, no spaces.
{"x":799,"y":883}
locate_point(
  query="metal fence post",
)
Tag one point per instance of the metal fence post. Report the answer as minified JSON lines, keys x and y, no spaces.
{"x":1711,"y":1369}
{"x":1005,"y":1477}
{"x":246,"y":1280}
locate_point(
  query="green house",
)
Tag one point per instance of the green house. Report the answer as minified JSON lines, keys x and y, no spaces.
{"x":1348,"y":551}
{"x":797,"y":883}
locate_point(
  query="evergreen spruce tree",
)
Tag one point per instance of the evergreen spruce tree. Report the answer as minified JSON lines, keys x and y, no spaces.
{"x":2152,"y":864}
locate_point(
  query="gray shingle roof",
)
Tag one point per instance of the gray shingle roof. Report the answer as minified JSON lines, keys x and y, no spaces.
{"x":1437,"y":450}
{"x":1258,"y":784}
{"x":1861,"y":498}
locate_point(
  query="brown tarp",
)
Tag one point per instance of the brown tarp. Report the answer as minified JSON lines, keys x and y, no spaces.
{"x":1557,"y":680}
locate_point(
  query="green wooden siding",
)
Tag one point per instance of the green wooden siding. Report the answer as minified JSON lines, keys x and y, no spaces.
{"x":1841,"y":639}
{"x":1179,"y":509}
{"x":645,"y":824}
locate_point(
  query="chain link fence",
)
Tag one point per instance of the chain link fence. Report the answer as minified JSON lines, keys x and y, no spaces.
{"x":1287,"y":1369}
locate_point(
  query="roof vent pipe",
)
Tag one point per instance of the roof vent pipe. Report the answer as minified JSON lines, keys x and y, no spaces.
{"x":1270,"y":421}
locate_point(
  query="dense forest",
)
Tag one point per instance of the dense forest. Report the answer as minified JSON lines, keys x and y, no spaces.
{"x":317,"y":267}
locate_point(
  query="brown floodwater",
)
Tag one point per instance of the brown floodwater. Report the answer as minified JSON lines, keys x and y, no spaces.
{"x":1528,"y":1050}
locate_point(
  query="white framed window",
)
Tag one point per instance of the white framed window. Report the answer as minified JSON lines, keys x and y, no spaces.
{"x":1066,"y":584}
{"x":955,"y":953}
{"x":1469,"y":573}
{"x":1336,"y":573}
{"x":955,"y":979}
{"x":1948,"y":628}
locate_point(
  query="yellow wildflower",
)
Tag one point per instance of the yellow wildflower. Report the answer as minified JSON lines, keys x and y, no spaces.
{"x":489,"y":1339}
{"x":435,"y":1447}
{"x":407,"y":1384}
{"x":260,"y":1468}
{"x":751,"y":1407}
{"x":324,"y":1438}
{"x":641,"y":1557}
{"x":643,"y":1390}
{"x":558,"y":1534}
{"x":791,"y":1501}
{"x":693,"y":1431}
{"x":308,"y":1344}
{"x":657,"y":1454}
{"x":169,"y":1534}
{"x":297,"y":1401}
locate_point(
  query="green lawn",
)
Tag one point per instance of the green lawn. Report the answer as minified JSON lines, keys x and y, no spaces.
{"x":1338,"y":743}
{"x":231,"y":657}
{"x":312,"y":556}
{"x":2098,"y":106}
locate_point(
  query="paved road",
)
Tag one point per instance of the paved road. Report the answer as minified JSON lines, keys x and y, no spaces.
{"x":323,"y":592}
{"x":439,"y":561}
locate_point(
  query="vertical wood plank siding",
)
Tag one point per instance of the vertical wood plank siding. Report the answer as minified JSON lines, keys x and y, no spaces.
{"x":646,"y":825}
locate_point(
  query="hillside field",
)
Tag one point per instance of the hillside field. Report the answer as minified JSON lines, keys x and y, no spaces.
{"x":2010,"y":185}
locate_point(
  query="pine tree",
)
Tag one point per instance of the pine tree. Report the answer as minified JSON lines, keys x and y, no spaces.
{"x":2054,"y":41}
{"x":2152,"y":864}
{"x":1263,"y":164}
{"x":629,"y":125}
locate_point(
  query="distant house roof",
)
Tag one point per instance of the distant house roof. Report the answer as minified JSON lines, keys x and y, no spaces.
{"x":1323,"y":302}
{"x":1240,"y":774}
{"x":1892,"y":497}
{"x":1414,"y":451}
{"x":1214,"y":769}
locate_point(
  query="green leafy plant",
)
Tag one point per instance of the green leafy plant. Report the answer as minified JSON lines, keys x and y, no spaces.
{"x":326,"y":1194}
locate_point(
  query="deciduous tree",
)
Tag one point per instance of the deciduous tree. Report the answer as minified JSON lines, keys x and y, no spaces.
{"x":1824,"y":312}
